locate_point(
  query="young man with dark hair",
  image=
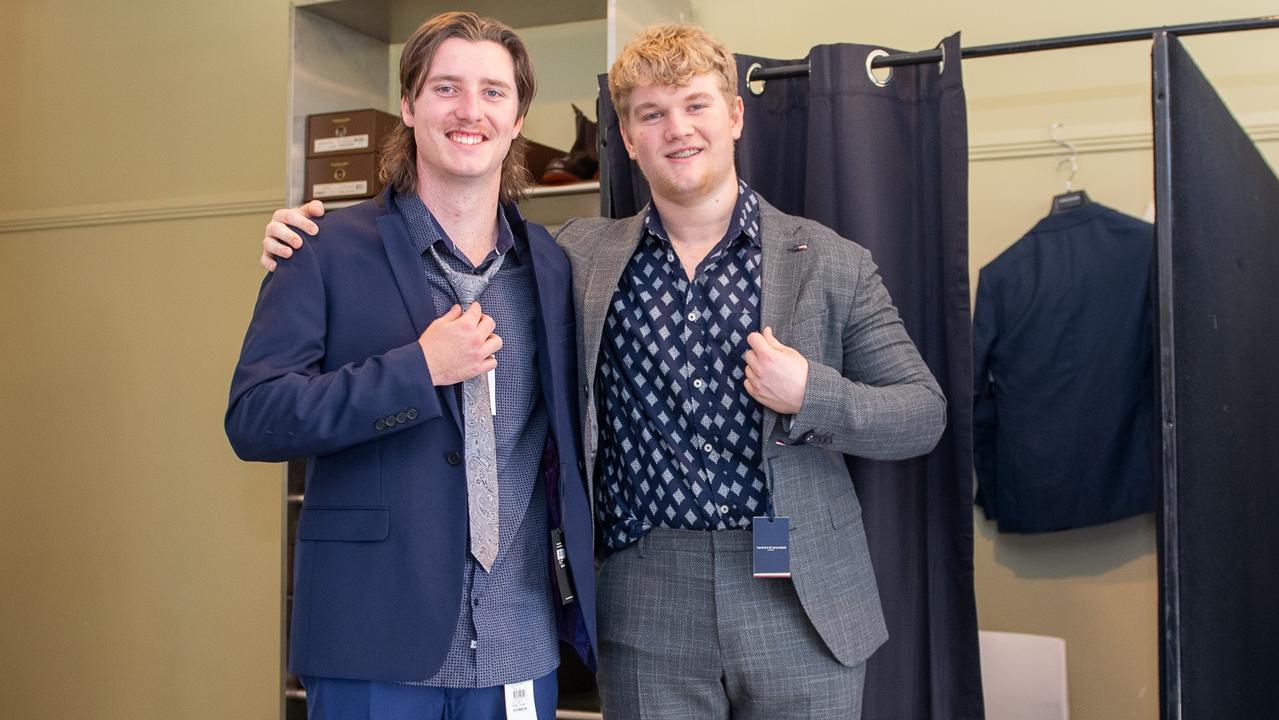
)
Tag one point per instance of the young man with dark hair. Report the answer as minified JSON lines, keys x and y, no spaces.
{"x":425,"y":584}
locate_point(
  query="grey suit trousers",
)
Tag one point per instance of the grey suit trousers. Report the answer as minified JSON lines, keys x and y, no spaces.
{"x":685,"y":631}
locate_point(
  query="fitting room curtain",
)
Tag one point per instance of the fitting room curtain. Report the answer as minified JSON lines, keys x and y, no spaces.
{"x":885,"y":165}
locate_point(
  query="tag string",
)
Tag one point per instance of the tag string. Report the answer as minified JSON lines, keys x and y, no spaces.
{"x":768,"y":482}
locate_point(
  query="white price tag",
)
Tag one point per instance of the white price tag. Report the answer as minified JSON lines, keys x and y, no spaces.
{"x":493,"y":392}
{"x":519,"y":701}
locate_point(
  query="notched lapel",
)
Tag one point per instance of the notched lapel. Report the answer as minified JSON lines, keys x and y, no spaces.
{"x":548,"y":282}
{"x":609,"y":259}
{"x":779,"y":280}
{"x":406,"y":265}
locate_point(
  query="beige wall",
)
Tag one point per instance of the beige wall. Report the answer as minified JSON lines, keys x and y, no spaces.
{"x":140,"y":561}
{"x":1095,"y":587}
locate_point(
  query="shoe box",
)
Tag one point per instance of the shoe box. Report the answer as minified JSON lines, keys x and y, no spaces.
{"x":342,"y":151}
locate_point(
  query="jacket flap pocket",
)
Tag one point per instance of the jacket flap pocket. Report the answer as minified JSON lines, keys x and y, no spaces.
{"x":349,"y":524}
{"x":844,"y":508}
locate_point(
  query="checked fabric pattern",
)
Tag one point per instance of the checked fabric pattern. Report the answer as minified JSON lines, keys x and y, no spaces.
{"x":680,"y":438}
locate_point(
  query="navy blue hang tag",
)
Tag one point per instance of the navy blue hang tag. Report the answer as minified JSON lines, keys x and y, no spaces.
{"x":772,"y":546}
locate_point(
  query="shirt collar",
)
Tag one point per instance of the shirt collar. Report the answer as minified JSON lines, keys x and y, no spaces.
{"x":745,"y":220}
{"x":425,"y":230}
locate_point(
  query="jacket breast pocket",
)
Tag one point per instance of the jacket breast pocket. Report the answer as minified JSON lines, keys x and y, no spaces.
{"x":348,"y":524}
{"x":807,"y":333}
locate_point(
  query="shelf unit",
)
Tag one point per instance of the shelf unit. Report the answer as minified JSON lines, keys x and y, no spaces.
{"x":344,"y":56}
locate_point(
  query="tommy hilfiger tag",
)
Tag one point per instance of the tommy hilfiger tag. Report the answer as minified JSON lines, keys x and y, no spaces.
{"x":772,"y":546}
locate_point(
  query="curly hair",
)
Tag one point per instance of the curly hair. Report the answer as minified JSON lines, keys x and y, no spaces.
{"x":669,"y":55}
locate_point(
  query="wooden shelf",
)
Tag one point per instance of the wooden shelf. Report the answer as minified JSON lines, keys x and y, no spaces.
{"x":392,"y":21}
{"x":578,"y":188}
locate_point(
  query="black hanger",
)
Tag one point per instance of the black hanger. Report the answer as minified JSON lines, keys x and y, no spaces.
{"x":1068,"y":201}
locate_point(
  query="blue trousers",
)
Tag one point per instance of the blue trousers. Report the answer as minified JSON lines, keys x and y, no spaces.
{"x":334,"y":699}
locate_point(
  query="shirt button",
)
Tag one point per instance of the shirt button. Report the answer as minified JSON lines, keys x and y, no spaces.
{"x":707,"y":447}
{"x":723,"y":509}
{"x":474,"y":644}
{"x":692,"y":317}
{"x":453,"y":458}
{"x":697,"y":382}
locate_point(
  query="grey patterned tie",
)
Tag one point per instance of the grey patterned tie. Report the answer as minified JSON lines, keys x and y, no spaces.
{"x":481,"y":446}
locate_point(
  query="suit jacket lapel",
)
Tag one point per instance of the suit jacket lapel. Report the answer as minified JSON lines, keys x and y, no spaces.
{"x":549,"y":285}
{"x":406,"y":264}
{"x":608,"y":261}
{"x":779,"y":280}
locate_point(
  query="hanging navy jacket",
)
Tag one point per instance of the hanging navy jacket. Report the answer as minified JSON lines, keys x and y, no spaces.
{"x":1063,"y":416}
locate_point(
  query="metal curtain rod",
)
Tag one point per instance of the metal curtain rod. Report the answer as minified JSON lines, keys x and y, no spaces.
{"x":1012,"y":48}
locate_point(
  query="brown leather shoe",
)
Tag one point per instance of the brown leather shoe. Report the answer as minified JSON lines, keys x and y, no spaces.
{"x":582,"y":162}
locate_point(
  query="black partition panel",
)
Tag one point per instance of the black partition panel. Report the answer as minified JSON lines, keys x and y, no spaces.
{"x":1218,"y":299}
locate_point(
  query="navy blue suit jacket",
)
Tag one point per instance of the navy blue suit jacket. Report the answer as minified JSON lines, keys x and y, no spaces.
{"x":1063,"y":415}
{"x":331,"y":370}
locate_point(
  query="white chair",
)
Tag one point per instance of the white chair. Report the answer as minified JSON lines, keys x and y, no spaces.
{"x":1023,"y":676}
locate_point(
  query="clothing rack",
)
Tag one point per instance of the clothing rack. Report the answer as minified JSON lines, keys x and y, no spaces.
{"x":1012,"y":48}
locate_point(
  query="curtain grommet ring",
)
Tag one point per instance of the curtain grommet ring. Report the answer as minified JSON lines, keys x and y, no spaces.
{"x":751,"y":85}
{"x":870,"y":71}
{"x":941,"y":64}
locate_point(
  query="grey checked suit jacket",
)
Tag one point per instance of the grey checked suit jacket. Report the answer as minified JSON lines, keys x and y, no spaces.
{"x":869,"y":394}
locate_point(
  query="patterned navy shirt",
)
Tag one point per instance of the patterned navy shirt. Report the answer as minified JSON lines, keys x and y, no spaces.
{"x":506,"y":630}
{"x":680,"y":438}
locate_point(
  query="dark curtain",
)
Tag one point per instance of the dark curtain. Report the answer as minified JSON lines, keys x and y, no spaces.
{"x":1217,"y":232}
{"x":888,"y":168}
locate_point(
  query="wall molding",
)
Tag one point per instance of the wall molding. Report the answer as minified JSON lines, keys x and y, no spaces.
{"x":1019,"y":143}
{"x":1090,"y":143}
{"x":1001,"y":146}
{"x":189,"y":208}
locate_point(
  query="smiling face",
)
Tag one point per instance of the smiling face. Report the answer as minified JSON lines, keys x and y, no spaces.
{"x":466,"y":114}
{"x":682,"y":137}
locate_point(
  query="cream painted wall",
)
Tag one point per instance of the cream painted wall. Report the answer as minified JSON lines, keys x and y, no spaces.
{"x":1096,"y":587}
{"x":135,"y":101}
{"x":139,"y":559}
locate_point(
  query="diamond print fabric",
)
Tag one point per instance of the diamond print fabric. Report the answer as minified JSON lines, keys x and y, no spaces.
{"x":680,"y":437}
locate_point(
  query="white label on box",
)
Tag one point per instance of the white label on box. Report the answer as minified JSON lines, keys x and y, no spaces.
{"x":338,"y":144}
{"x":355,"y":187}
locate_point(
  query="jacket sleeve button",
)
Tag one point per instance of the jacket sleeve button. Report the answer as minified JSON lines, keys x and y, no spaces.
{"x":411,"y":414}
{"x":401,"y":416}
{"x":379,"y":425}
{"x":453,"y":458}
